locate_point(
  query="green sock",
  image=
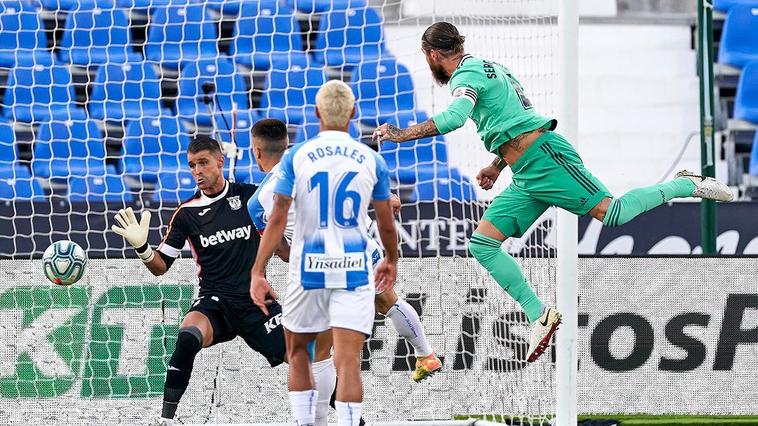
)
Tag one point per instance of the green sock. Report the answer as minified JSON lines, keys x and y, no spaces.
{"x":638,"y":201}
{"x":506,"y":271}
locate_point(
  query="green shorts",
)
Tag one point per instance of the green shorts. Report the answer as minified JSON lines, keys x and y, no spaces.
{"x":549,"y":173}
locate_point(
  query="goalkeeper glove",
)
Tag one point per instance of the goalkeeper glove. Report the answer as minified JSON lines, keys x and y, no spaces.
{"x":135,"y":232}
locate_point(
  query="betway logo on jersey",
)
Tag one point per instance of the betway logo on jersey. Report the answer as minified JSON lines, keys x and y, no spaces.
{"x":349,"y":262}
{"x":222,"y":236}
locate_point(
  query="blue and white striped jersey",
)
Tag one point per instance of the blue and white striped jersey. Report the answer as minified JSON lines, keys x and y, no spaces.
{"x":261,"y":204}
{"x":332,"y":179}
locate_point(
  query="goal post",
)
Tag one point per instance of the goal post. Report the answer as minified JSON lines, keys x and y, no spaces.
{"x":567,"y":362}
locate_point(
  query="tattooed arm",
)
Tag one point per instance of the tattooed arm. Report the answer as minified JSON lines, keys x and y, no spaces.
{"x":388,"y":132}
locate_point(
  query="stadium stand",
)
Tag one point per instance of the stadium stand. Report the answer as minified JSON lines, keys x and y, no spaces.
{"x":125,"y":91}
{"x":382,"y":87}
{"x":739,"y":39}
{"x":153,"y":146}
{"x":350,"y":36}
{"x":725,"y":5}
{"x":68,"y":148}
{"x":182,"y":31}
{"x":265,"y":32}
{"x":18,"y":184}
{"x":274,"y":39}
{"x":291,"y":90}
{"x":97,"y":36}
{"x":746,"y":101}
{"x":109,"y":187}
{"x":21,"y":33}
{"x":40,"y":90}
{"x":321,"y":6}
{"x":229,"y":88}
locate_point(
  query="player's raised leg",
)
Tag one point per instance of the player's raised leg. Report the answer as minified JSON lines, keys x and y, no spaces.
{"x":618,"y":211}
{"x":195,"y":333}
{"x":406,"y":321}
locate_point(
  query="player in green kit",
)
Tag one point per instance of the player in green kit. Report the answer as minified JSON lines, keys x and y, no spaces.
{"x":547,"y":171}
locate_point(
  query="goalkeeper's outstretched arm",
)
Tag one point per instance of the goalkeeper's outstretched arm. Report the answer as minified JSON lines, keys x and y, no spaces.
{"x":135,"y":234}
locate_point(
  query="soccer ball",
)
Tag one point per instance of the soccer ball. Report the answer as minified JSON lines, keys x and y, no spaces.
{"x":64,"y":262}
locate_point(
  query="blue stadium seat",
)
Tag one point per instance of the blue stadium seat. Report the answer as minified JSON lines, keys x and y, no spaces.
{"x":181,"y":31}
{"x":454,"y":188}
{"x":68,"y":148}
{"x":154,"y":145}
{"x":739,"y":38}
{"x":109,"y":187}
{"x":125,"y":91}
{"x":349,"y":37}
{"x":725,"y":5}
{"x":291,"y":91}
{"x":230,"y":87}
{"x":71,"y":5}
{"x":382,"y":88}
{"x":40,"y":91}
{"x":175,"y":187}
{"x":321,"y":6}
{"x":754,"y":156}
{"x":21,"y":32}
{"x":226,"y":7}
{"x":746,"y":100}
{"x":265,"y":31}
{"x":245,"y":169}
{"x":97,"y":36}
{"x":8,"y":148}
{"x":142,"y":5}
{"x":310,"y":129}
{"x":415,"y":161}
{"x":18,"y":184}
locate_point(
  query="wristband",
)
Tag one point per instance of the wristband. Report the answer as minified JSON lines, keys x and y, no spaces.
{"x":501,"y":164}
{"x":145,"y":252}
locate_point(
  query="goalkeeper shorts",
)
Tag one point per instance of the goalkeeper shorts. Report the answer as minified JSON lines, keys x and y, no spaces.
{"x":549,"y":173}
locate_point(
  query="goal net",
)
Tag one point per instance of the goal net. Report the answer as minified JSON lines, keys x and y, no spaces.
{"x":99,"y":101}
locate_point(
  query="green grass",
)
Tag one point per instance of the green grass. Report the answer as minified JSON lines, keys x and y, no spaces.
{"x":648,"y":419}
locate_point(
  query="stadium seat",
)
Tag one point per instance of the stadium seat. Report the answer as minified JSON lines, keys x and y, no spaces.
{"x":349,"y":37}
{"x":18,"y":184}
{"x":321,"y":6}
{"x":40,"y":91}
{"x":8,"y":148}
{"x":142,"y":5}
{"x":109,"y":187}
{"x":746,"y":100}
{"x":415,"y":161}
{"x":181,"y":31}
{"x":125,"y":91}
{"x":291,"y":91}
{"x":265,"y":31}
{"x":175,"y":187}
{"x":21,"y":32}
{"x":754,"y":157}
{"x":725,"y":5}
{"x":245,"y":168}
{"x":97,"y":36}
{"x":230,"y":88}
{"x":226,"y":7}
{"x":739,"y":38}
{"x":310,"y":129}
{"x":68,"y":148}
{"x":454,"y":188}
{"x":154,"y":145}
{"x":382,"y":88}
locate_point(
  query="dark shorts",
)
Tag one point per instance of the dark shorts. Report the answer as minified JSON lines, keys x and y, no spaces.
{"x":232,"y":317}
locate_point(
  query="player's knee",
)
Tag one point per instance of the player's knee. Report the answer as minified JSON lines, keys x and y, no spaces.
{"x":189,"y":341}
{"x":483,"y":248}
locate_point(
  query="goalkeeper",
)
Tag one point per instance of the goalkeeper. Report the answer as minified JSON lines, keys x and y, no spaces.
{"x":224,"y":243}
{"x":547,"y":171}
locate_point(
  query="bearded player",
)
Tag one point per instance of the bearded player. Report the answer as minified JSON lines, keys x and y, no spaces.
{"x":547,"y":171}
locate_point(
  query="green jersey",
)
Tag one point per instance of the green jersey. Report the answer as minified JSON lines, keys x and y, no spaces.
{"x":491,"y":96}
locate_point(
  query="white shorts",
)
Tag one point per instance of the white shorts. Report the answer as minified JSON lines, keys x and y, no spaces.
{"x":317,"y":310}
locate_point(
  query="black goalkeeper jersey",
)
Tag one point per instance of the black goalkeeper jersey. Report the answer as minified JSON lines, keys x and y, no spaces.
{"x":222,"y":237}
